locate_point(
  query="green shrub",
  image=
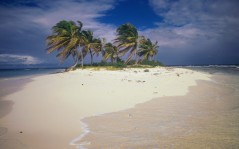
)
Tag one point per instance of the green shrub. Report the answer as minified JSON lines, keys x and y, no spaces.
{"x":121,"y":64}
{"x":131,"y":62}
{"x":151,"y":63}
{"x":120,"y":60}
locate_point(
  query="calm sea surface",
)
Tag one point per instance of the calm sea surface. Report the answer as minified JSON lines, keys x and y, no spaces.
{"x":19,"y":73}
{"x":12,"y":80}
{"x":223,"y":69}
{"x":226,"y":75}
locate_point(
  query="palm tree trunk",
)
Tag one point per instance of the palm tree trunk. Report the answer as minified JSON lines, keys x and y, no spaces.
{"x":82,"y":60}
{"x":111,"y":59}
{"x":136,"y":57}
{"x":136,"y":52}
{"x":75,"y":64}
{"x":117,"y":58}
{"x":91,"y":57}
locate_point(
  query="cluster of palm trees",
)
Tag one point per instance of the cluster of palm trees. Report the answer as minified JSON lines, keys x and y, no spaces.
{"x":69,"y":39}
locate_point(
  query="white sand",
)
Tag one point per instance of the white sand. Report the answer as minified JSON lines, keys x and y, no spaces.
{"x":48,"y":110}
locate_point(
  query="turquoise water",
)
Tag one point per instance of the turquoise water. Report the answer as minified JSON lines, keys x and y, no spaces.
{"x":15,"y":73}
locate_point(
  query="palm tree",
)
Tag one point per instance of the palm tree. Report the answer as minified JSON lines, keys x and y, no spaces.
{"x":148,"y":49}
{"x":66,"y":38}
{"x":92,"y":45}
{"x":128,"y":41}
{"x":111,"y":51}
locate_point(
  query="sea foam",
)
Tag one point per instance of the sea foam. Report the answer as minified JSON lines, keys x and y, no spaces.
{"x":76,"y":142}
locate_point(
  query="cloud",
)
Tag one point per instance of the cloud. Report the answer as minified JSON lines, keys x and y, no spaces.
{"x":25,"y":24}
{"x":198,"y":19}
{"x":190,"y":31}
{"x":86,"y":11}
{"x":197,"y":32}
{"x":18,"y":59}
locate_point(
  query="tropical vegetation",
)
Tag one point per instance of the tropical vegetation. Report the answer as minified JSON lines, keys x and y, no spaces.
{"x":148,"y":49}
{"x":128,"y":41}
{"x":91,"y":45}
{"x":69,"y":39}
{"x":111,"y":52}
{"x":66,"y":38}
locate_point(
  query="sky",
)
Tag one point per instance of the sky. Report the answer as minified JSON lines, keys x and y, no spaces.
{"x":189,"y":32}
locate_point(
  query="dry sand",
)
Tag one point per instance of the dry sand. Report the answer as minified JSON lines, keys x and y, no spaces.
{"x":46,"y":113}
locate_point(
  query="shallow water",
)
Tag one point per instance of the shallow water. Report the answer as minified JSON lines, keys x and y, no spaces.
{"x":6,"y":74}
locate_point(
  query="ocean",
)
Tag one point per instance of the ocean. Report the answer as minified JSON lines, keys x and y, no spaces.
{"x":12,"y":80}
{"x":26,"y":72}
{"x":225,"y":75}
{"x":217,"y":69}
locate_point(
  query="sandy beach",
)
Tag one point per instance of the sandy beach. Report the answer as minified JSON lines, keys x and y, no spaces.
{"x":119,"y":74}
{"x":201,"y":119}
{"x":47,"y":111}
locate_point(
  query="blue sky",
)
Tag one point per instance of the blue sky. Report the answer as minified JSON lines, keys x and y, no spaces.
{"x":189,"y":32}
{"x":124,"y":12}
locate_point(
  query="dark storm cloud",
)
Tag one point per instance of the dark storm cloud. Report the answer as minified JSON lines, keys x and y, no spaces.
{"x":197,"y":31}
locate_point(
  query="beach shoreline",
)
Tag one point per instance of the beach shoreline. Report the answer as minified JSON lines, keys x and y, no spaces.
{"x":62,"y":100}
{"x":9,"y":86}
{"x":206,"y":117}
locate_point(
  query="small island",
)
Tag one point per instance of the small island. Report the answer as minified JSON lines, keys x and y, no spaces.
{"x":119,"y":74}
{"x":69,"y":39}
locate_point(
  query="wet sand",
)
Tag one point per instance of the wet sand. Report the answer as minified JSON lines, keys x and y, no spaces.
{"x":207,"y":117}
{"x":7,"y":87}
